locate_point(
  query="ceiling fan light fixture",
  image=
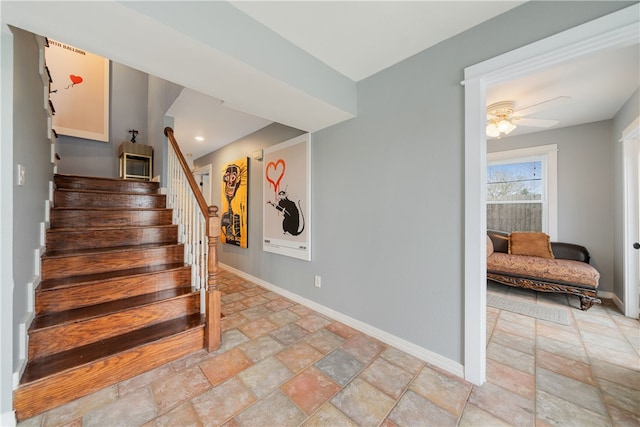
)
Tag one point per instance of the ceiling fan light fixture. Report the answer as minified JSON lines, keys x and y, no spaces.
{"x":499,"y":120}
{"x":511,"y":129}
{"x":503,"y":125}
{"x":507,"y":127}
{"x":502,"y":116}
{"x":492,"y":130}
{"x":500,"y":126}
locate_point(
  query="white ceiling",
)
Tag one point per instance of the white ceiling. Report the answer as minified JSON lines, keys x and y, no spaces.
{"x":199,"y":115}
{"x":597,"y":85}
{"x":360,"y":38}
{"x":363,"y":37}
{"x":295,"y":62}
{"x":366,"y":37}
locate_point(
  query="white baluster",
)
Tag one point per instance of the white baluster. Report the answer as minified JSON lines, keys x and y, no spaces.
{"x":191,"y":223}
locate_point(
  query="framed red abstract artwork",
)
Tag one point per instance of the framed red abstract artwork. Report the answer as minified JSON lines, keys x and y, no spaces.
{"x":79,"y":91}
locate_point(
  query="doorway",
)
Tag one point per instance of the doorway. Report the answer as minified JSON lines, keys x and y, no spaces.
{"x":616,"y":30}
{"x":202,"y":176}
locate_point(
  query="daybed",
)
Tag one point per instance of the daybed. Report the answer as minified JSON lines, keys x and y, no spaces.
{"x":531,"y":261}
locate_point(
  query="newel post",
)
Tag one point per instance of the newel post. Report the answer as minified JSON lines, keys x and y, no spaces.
{"x":213,"y":330}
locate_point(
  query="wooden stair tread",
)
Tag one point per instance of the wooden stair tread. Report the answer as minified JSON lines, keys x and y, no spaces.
{"x":101,"y":198}
{"x":107,"y":228}
{"x":83,"y":313}
{"x":99,"y":178}
{"x":65,"y":180}
{"x":105,"y":209}
{"x":75,"y":252}
{"x":107,"y":215}
{"x":51,"y":284}
{"x":108,"y":193}
{"x":46,"y":366}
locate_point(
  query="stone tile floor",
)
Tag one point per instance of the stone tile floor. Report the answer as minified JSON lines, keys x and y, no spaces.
{"x":282,"y":364}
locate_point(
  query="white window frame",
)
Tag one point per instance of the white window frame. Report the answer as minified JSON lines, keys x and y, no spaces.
{"x":549,"y":156}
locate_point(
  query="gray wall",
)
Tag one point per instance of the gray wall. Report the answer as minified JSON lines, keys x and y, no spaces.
{"x":127,"y":109}
{"x":7,"y":325}
{"x":234,"y":32}
{"x":585,"y":187}
{"x":627,"y":114}
{"x":387,"y":191}
{"x":31,"y":148}
{"x":161,"y":95}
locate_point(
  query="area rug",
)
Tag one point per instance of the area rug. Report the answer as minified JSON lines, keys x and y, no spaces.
{"x":516,"y":305}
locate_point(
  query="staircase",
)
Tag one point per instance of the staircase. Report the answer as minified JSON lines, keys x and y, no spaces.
{"x":115,"y":296}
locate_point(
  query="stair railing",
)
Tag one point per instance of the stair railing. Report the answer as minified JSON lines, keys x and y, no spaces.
{"x":199,"y":231}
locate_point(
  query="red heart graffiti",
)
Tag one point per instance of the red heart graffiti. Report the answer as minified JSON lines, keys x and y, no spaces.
{"x":75,"y":79}
{"x":275,"y":172}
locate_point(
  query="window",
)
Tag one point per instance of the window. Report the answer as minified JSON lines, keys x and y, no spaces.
{"x":522,"y":190}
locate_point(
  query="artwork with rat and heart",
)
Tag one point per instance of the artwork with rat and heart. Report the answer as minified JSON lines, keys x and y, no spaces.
{"x":292,"y":215}
{"x":286,"y":197}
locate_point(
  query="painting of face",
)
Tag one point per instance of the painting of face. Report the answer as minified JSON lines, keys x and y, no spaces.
{"x":234,"y":203}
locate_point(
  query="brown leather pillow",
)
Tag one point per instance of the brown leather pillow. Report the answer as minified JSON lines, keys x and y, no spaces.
{"x":530,"y":243}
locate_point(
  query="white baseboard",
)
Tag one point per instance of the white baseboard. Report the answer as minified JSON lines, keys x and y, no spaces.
{"x":23,"y":344}
{"x":8,"y":419}
{"x":420,"y":352}
{"x":607,"y":295}
{"x":619,"y":303}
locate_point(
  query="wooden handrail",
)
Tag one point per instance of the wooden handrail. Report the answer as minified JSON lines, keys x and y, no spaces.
{"x":213,"y":325}
{"x":168,"y":132}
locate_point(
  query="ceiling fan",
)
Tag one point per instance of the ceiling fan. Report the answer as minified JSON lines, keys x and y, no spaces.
{"x":502,"y":117}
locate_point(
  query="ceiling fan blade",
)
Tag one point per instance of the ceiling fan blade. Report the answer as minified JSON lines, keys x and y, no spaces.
{"x":553,"y":102}
{"x":536,"y":123}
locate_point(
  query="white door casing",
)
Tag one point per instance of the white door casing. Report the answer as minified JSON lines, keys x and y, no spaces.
{"x":631,"y":176}
{"x":616,"y":30}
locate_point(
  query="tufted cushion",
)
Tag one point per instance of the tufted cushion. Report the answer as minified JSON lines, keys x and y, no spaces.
{"x":559,"y":270}
{"x":530,"y":244}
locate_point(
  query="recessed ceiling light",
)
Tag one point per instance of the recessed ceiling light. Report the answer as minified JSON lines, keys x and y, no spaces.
{"x":199,"y":138}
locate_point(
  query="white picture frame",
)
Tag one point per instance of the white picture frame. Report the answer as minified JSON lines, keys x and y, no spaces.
{"x":287,"y":198}
{"x":79,"y":91}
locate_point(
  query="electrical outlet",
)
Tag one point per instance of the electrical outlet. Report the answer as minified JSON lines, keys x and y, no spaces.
{"x":21,"y":175}
{"x":318,"y":282}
